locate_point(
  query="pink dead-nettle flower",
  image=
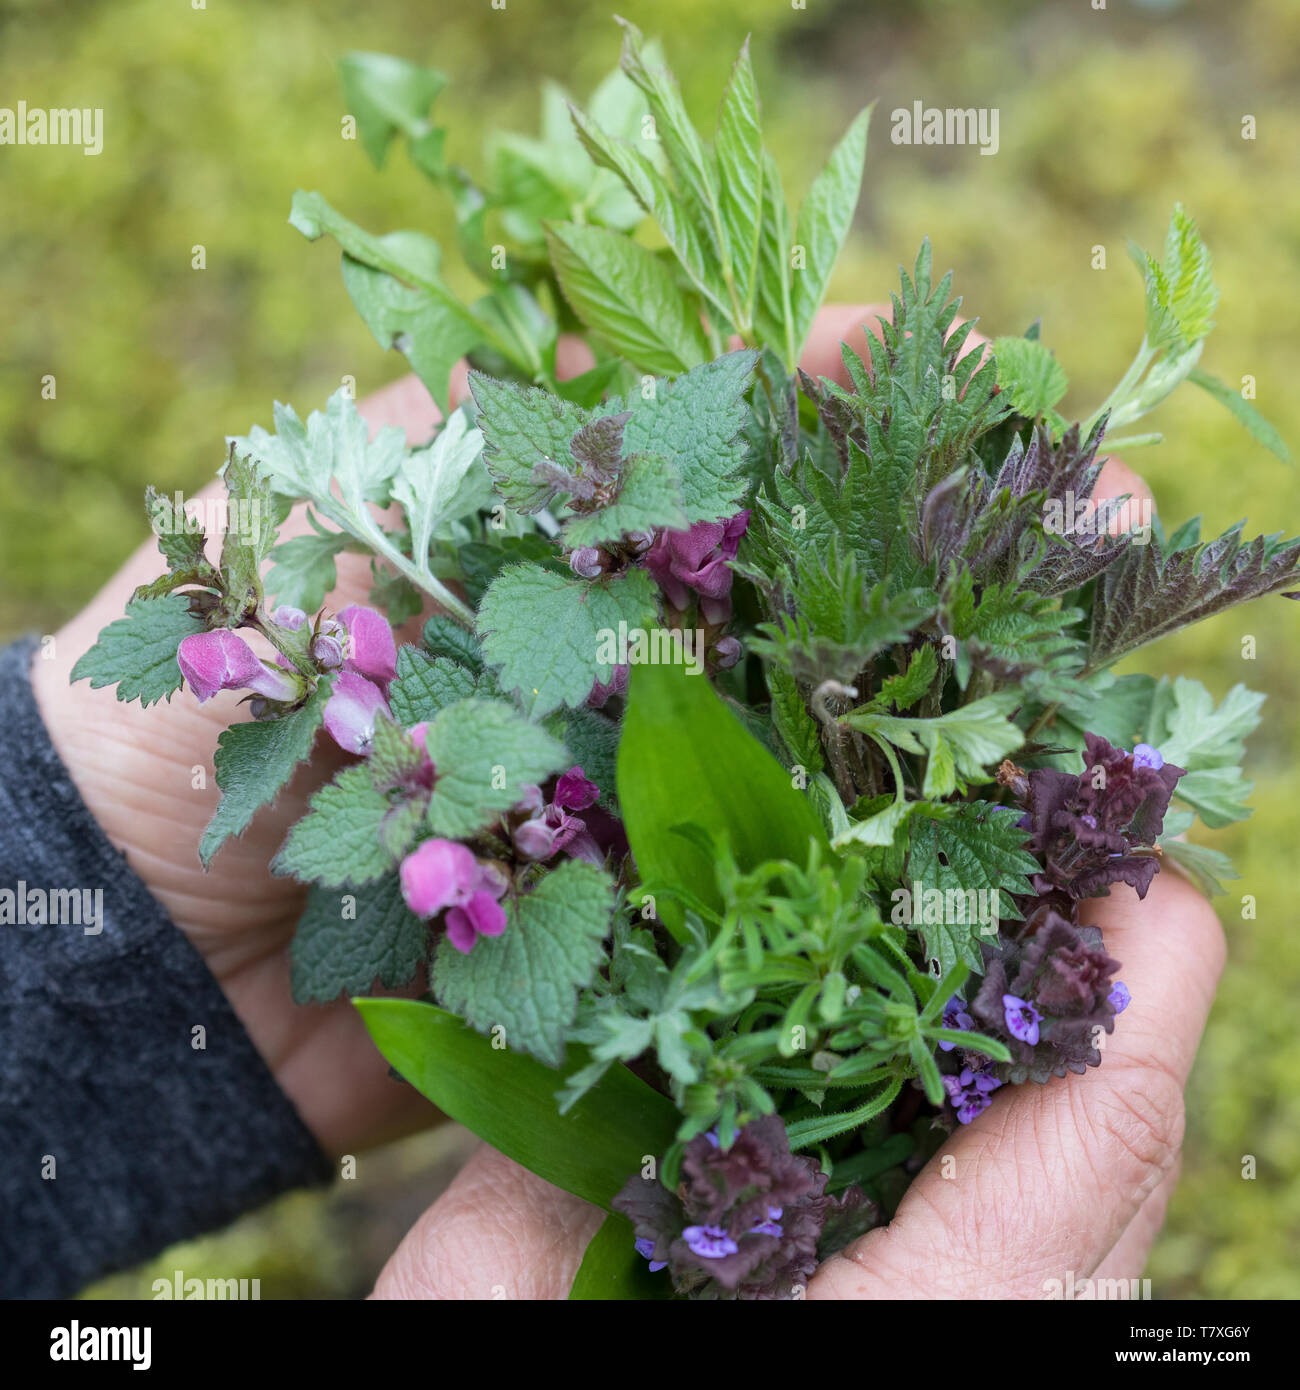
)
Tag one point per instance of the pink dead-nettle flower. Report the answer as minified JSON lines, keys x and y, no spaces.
{"x":551,"y":828}
{"x":368,"y":646}
{"x":351,"y":710}
{"x":222,"y":660}
{"x":695,"y":562}
{"x":441,"y":875}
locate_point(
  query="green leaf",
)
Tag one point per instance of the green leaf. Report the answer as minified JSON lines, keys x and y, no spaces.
{"x":797,"y":728}
{"x":960,"y":744}
{"x":1205,"y":867}
{"x":738,"y":151}
{"x":684,"y":757}
{"x":1190,"y":732}
{"x":628,"y":296}
{"x":824,"y":220}
{"x":904,"y":690}
{"x":338,"y":840}
{"x":394,"y":282}
{"x":1181,"y":293}
{"x":388,"y":96}
{"x":507,"y":1099}
{"x":1243,"y":410}
{"x":346,"y":940}
{"x":696,"y":422}
{"x":973,"y":848}
{"x":522,"y":426}
{"x":441,"y":483}
{"x":443,"y":637}
{"x":612,"y":1269}
{"x":1032,"y":377}
{"x":137,"y":653}
{"x":303,"y":570}
{"x":485,"y":753}
{"x":592,"y":744}
{"x":425,"y":686}
{"x":525,"y":982}
{"x":1218,"y":794}
{"x":544,"y":630}
{"x":253,"y":763}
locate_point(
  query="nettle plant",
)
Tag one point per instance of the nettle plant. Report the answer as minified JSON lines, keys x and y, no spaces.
{"x":741,"y":794}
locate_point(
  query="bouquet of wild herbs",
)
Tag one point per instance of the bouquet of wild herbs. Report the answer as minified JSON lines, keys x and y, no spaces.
{"x":740,"y":793}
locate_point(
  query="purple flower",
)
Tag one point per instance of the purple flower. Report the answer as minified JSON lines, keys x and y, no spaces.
{"x":695,"y":561}
{"x":481,"y":915}
{"x":370,"y":649}
{"x":586,"y":562}
{"x":646,"y":1249}
{"x":970,"y":1092}
{"x":1119,"y":997}
{"x":327,"y":651}
{"x":709,"y":1242}
{"x":289,"y":617}
{"x":770,"y":1226}
{"x":956,"y":1017}
{"x":222,"y":660}
{"x":1146,"y":756}
{"x":727,"y":652}
{"x":438,"y":874}
{"x":1022,"y":1018}
{"x":616,"y":685}
{"x":351,"y":710}
{"x":574,"y":792}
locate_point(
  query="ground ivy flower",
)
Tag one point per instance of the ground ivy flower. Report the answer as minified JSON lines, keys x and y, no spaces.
{"x":222,"y":660}
{"x":1146,"y":756}
{"x":709,"y":1242}
{"x":971,"y":1092}
{"x":351,"y":710}
{"x":1119,"y":997}
{"x":955,"y":1017}
{"x":1022,"y":1018}
{"x":646,"y":1249}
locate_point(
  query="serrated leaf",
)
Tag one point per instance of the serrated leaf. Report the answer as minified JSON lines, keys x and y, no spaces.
{"x":444,"y":637}
{"x":425,"y":686}
{"x":137,"y":653}
{"x":628,"y":296}
{"x":254,"y":761}
{"x":824,"y":220}
{"x":544,"y":630}
{"x":738,"y":151}
{"x":1034,"y":380}
{"x":349,"y":938}
{"x":797,"y":728}
{"x":303,"y":570}
{"x":338,"y":840}
{"x":522,"y":426}
{"x":649,"y":497}
{"x":526,"y":980}
{"x":485,"y":753}
{"x":1258,"y":426}
{"x":441,"y":482}
{"x":977,"y":847}
{"x":388,"y":96}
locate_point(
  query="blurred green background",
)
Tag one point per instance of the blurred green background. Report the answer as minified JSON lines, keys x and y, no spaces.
{"x":214,"y":116}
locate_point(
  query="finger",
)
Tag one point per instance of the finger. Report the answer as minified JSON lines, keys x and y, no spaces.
{"x":1128,"y":1258}
{"x":498,"y":1231}
{"x":1048,"y":1179}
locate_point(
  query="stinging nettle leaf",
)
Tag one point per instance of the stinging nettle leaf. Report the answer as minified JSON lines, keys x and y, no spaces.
{"x":137,"y":653}
{"x":349,"y":938}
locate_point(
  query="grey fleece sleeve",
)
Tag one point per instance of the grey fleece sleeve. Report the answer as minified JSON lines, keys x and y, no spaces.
{"x":117,"y":1136}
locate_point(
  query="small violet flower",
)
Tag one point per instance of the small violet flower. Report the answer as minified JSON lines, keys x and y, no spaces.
{"x":222,"y":660}
{"x":771,"y":1226}
{"x":709,"y":1242}
{"x":1146,"y":756}
{"x":970,"y":1092}
{"x":1119,"y":997}
{"x":955,"y":1016}
{"x":1022,"y":1018}
{"x":646,"y":1249}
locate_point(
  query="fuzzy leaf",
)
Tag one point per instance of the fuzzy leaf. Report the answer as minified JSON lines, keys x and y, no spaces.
{"x":338,"y":840}
{"x":426,"y":686}
{"x":348,"y":938}
{"x":526,"y":980}
{"x":137,"y":653}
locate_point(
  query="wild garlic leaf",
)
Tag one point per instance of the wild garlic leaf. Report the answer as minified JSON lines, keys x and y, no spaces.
{"x":253,"y":763}
{"x":338,"y":841}
{"x":627,"y":296}
{"x":526,"y":980}
{"x":348,"y":940}
{"x":823,"y":223}
{"x":543,"y":630}
{"x":485,"y":753}
{"x":137,"y":653}
{"x":1030,"y":374}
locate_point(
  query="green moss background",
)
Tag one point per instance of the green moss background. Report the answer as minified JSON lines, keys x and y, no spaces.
{"x":214,"y":116}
